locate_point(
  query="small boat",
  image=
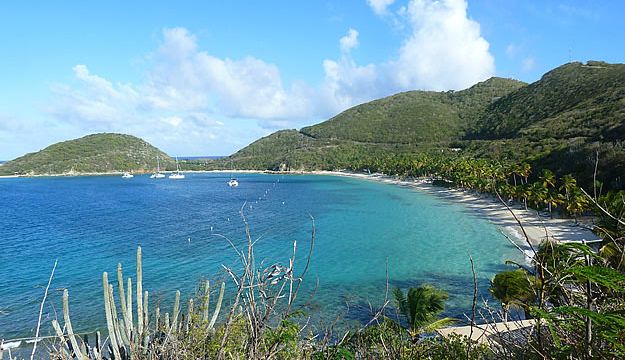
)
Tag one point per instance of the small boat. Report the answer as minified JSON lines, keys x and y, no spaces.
{"x":157,"y":174}
{"x":177,"y":175}
{"x":233,"y":182}
{"x":127,"y":175}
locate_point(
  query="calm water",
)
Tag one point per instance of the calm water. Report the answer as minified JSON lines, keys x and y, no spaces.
{"x":91,"y":223}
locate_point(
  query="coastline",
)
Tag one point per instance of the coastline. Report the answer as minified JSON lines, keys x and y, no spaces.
{"x":536,"y":227}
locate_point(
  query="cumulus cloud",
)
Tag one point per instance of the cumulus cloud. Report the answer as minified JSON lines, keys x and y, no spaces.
{"x":189,"y":92}
{"x":444,"y":50}
{"x":349,"y":41}
{"x":380,"y":7}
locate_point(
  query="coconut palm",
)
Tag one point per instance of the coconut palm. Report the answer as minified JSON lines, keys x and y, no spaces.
{"x":421,"y":307}
{"x":513,"y":288}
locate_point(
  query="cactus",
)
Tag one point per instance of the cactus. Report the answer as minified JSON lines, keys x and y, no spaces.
{"x":126,"y":339}
{"x":109,"y":316}
{"x":139,"y":292}
{"x":174,"y":314}
{"x":145,"y":310}
{"x":189,"y":315}
{"x":129,"y":305}
{"x":122,"y":301}
{"x":68,"y":325}
{"x":217,"y":307}
{"x":206,"y":301}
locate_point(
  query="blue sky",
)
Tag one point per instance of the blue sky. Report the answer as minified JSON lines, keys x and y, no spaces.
{"x":208,"y":77}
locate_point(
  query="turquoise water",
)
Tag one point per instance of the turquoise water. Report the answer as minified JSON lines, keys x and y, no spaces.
{"x":91,"y":223}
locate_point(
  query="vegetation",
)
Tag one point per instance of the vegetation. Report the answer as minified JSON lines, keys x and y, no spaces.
{"x":421,"y":306}
{"x":574,"y":296}
{"x":96,"y":153}
{"x":564,"y":122}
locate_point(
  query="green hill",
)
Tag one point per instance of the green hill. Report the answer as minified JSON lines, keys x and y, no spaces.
{"x":414,"y":117}
{"x":98,"y":153}
{"x":402,"y":123}
{"x":560,"y":121}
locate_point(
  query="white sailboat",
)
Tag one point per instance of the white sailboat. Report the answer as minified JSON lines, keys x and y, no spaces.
{"x":177,"y":175}
{"x":233,"y":182}
{"x":157,"y":174}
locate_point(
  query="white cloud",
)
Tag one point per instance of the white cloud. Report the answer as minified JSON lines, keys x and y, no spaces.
{"x":443,"y":51}
{"x":172,"y":120}
{"x":380,"y":6}
{"x":189,"y":93}
{"x":349,"y":41}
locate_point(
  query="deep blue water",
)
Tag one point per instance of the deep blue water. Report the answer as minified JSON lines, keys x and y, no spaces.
{"x":91,"y":223}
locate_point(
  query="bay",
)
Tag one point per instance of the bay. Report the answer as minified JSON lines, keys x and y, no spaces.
{"x":365,"y":233}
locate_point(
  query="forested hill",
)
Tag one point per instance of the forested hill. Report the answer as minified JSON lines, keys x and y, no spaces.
{"x":564,"y":121}
{"x":414,"y":116}
{"x":560,"y":121}
{"x":96,"y":153}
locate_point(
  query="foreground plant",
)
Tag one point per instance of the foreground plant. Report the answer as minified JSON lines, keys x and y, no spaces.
{"x":421,"y":307}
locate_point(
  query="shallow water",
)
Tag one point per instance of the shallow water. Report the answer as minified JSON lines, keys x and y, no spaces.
{"x":362,"y":227}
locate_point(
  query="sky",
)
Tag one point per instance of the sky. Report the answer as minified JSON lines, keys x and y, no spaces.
{"x":208,"y":77}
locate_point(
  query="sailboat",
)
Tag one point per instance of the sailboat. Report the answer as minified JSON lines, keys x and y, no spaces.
{"x":233,"y":182}
{"x":177,"y":175}
{"x":157,"y":174}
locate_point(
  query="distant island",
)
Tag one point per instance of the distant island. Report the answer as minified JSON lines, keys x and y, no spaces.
{"x":97,"y":153}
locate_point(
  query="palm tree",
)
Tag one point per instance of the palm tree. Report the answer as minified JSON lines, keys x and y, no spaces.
{"x":513,"y":288}
{"x":421,"y":307}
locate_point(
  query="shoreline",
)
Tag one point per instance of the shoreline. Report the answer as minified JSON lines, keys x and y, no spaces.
{"x":536,"y":227}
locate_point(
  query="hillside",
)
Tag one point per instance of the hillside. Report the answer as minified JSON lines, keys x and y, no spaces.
{"x":402,"y":123}
{"x":96,"y":153}
{"x":414,"y":117}
{"x":560,"y":121}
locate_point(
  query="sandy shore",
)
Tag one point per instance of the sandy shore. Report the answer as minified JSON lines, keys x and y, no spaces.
{"x":537,"y":228}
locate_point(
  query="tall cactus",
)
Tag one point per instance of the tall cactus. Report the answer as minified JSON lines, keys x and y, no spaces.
{"x":139,"y":292}
{"x":126,"y":340}
{"x":122,"y":301}
{"x":109,"y":316}
{"x":206,"y":301}
{"x":68,"y":325}
{"x":174,"y":319}
{"x":218,"y":306}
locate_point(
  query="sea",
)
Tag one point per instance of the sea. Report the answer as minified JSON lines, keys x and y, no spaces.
{"x":369,"y":237}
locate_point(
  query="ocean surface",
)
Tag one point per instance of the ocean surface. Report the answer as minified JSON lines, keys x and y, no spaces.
{"x":363,"y":228}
